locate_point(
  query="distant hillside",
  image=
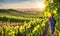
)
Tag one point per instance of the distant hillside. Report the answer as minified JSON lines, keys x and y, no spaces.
{"x":17,"y":13}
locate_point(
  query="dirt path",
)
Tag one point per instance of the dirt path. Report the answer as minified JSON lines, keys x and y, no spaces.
{"x":12,"y":23}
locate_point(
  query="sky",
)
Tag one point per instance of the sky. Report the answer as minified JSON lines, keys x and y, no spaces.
{"x":14,"y":4}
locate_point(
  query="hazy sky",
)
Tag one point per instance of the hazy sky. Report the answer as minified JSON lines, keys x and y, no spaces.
{"x":20,"y":3}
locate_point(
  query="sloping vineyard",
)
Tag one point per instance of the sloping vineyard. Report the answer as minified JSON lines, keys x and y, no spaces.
{"x":34,"y":27}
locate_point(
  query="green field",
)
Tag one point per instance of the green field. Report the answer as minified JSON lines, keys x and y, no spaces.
{"x":28,"y":14}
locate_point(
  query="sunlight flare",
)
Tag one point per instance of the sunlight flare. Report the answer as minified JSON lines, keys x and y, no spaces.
{"x":41,"y":6}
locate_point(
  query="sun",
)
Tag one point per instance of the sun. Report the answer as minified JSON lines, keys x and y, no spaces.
{"x":41,"y":6}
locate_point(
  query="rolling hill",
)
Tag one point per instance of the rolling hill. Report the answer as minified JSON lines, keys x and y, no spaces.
{"x":13,"y":12}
